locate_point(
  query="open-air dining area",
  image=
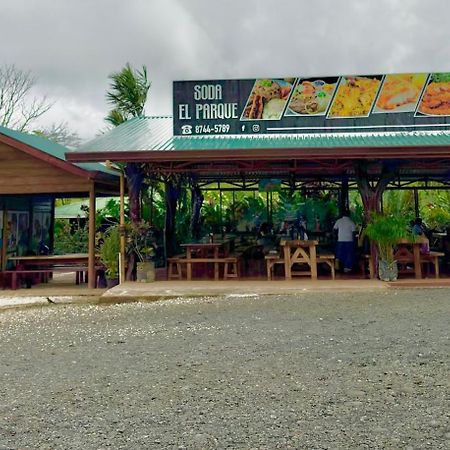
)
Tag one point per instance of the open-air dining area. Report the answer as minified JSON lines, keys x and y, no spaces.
{"x":235,"y":219}
{"x":252,"y":205}
{"x":266,"y":208}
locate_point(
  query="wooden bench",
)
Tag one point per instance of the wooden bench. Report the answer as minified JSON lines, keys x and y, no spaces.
{"x":433,"y":258}
{"x":329,"y":260}
{"x":271,"y":261}
{"x":405,"y":258}
{"x":367,"y":259}
{"x":174,"y":268}
{"x":22,"y":274}
{"x":231,"y":266}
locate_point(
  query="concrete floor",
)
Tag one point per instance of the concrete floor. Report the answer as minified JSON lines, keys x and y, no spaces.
{"x":63,"y":290}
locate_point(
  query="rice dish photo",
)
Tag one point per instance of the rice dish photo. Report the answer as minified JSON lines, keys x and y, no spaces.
{"x":436,"y":99}
{"x":311,"y":97}
{"x":354,"y":97}
{"x":267,"y":100}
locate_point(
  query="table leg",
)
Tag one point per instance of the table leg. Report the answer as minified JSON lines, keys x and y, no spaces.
{"x":287,"y":262}
{"x":417,"y":266}
{"x":313,"y":261}
{"x":216,"y":264}
{"x":188,"y":265}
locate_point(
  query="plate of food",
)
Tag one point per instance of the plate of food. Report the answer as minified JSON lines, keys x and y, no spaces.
{"x":312,"y":97}
{"x":267,"y":100}
{"x":355,"y":96}
{"x":400,"y":92}
{"x":436,"y":98}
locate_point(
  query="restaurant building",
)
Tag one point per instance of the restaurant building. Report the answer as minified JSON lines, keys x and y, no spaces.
{"x":369,"y":133}
{"x":33,"y":173}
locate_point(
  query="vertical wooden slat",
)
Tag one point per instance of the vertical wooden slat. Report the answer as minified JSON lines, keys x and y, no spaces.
{"x":91,"y":251}
{"x":122,"y":227}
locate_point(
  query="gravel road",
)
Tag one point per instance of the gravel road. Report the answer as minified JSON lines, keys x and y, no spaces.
{"x":312,"y":371}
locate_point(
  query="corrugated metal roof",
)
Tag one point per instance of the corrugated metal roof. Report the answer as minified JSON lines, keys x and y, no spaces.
{"x":51,"y":148}
{"x":140,"y":133}
{"x":155,"y":134}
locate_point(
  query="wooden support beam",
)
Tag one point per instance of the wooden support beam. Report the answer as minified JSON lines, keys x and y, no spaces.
{"x":91,"y":247}
{"x":122,"y":228}
{"x":4,"y":239}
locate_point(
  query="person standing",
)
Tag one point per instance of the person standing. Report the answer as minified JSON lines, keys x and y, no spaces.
{"x":345,"y":249}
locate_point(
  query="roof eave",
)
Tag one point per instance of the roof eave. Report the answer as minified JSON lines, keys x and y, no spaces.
{"x":39,"y":154}
{"x":303,"y":153}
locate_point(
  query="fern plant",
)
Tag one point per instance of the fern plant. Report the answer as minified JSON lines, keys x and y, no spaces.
{"x":386,"y":231}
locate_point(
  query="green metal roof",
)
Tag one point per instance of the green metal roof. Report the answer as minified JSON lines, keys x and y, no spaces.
{"x":155,"y":134}
{"x":50,"y":148}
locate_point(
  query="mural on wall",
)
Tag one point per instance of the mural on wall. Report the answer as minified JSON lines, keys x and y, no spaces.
{"x":17,"y":233}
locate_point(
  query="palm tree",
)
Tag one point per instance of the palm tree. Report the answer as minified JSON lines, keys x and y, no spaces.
{"x":127,"y":95}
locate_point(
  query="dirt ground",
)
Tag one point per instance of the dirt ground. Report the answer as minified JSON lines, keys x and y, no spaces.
{"x":363,"y":370}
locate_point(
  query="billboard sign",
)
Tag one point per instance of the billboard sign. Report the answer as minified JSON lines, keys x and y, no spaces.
{"x":356,"y":103}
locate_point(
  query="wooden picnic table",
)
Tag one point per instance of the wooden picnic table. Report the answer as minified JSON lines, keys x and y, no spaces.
{"x":45,"y":265}
{"x":300,"y":252}
{"x":408,"y":251}
{"x":204,"y":252}
{"x":49,"y":261}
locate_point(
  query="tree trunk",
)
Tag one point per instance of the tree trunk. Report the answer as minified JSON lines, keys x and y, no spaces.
{"x":371,"y":196}
{"x":135,"y":179}
{"x":343,"y":198}
{"x":196,"y":203}
{"x":172,"y":194}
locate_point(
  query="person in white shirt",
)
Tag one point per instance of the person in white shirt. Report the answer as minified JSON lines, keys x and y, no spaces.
{"x":345,"y":247}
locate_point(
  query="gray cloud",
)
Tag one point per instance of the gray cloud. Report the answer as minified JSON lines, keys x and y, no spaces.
{"x":72,"y":46}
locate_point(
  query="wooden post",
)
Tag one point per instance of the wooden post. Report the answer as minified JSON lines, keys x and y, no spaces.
{"x":416,"y":202}
{"x":91,"y":250}
{"x":122,"y":228}
{"x":4,"y":240}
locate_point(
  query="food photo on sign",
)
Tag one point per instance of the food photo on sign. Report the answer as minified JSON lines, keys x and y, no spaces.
{"x":400,"y":92}
{"x":355,"y":96}
{"x":267,"y":99}
{"x":312,"y":96}
{"x":436,"y":97}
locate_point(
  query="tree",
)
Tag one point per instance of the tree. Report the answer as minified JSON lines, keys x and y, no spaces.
{"x":18,"y":107}
{"x":127,"y":94}
{"x":61,"y":134}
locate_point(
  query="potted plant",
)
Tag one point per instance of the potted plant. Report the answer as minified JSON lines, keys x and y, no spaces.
{"x":142,"y":243}
{"x":386,"y":231}
{"x":109,"y":255}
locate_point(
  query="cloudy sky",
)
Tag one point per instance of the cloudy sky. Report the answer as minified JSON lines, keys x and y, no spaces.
{"x":71,"y":46}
